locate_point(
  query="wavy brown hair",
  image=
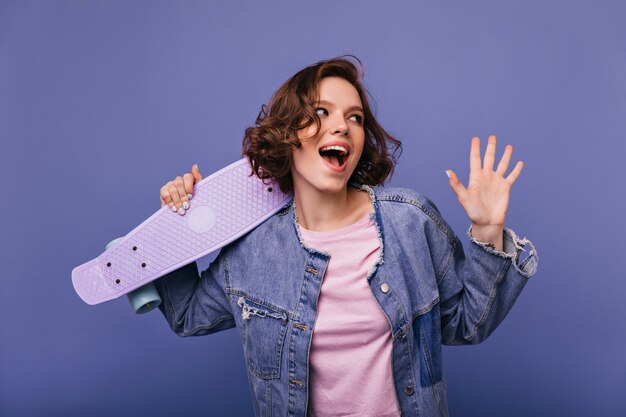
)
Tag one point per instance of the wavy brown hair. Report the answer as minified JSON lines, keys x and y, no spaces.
{"x":269,"y":144}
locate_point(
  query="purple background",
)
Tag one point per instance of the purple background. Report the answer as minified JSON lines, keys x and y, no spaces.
{"x":103,"y":102}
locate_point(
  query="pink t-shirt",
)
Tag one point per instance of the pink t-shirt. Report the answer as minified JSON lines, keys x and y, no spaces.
{"x":350,"y":358}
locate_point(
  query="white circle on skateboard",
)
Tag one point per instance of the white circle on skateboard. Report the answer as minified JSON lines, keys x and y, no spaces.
{"x":201,"y":219}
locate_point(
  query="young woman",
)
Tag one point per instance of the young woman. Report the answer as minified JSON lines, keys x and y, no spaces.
{"x":344,"y":298}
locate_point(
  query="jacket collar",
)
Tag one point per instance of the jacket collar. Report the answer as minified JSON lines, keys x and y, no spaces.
{"x":375,"y":216}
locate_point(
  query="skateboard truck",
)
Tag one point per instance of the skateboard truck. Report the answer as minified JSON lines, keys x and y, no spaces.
{"x":143,"y":299}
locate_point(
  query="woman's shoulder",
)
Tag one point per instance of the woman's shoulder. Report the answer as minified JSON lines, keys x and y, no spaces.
{"x":406,"y":205}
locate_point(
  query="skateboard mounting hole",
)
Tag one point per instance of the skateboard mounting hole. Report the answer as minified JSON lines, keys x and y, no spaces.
{"x":270,"y":189}
{"x":134,"y":248}
{"x":117,"y":281}
{"x":143,"y":265}
{"x":108,"y":264}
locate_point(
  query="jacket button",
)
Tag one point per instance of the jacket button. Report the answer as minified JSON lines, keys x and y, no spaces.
{"x":409,"y":390}
{"x":384,"y":287}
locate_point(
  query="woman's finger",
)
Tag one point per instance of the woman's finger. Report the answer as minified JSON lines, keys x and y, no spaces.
{"x":174,"y":192}
{"x":165,"y":196}
{"x":490,"y":154}
{"x":505,"y":161}
{"x":188,"y":181}
{"x":515,"y":173}
{"x":182,"y":195}
{"x":475,"y":154}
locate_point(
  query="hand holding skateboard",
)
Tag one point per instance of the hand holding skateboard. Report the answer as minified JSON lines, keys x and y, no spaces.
{"x":178,"y":193}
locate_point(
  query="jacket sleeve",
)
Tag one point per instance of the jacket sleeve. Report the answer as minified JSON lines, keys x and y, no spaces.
{"x":196,"y":305}
{"x":477,"y":290}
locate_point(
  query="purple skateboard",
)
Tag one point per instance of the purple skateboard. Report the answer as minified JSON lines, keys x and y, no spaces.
{"x":226,"y":205}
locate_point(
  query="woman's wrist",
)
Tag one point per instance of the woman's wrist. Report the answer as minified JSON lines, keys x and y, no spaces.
{"x":490,"y":235}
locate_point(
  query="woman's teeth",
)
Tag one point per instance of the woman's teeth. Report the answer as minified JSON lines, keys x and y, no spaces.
{"x":341,"y":149}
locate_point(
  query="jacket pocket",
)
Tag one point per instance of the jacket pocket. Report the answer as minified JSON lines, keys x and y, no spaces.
{"x":427,"y":334}
{"x":263,"y":335}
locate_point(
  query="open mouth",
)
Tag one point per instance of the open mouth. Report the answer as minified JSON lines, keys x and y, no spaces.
{"x":335,"y":155}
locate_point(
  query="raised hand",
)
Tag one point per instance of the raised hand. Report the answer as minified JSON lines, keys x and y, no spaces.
{"x":486,"y":198}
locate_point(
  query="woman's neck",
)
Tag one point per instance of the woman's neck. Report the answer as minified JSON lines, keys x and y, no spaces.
{"x":329,"y":211}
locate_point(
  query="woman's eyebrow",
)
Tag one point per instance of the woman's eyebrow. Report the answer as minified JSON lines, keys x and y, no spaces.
{"x":328,"y":103}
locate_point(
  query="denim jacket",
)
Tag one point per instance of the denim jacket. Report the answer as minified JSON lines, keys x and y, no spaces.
{"x":267,"y":284}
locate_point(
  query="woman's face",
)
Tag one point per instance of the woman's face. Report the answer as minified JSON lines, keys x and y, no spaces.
{"x":325,"y":161}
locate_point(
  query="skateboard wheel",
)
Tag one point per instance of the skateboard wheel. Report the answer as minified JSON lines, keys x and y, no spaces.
{"x":113,"y":243}
{"x":143,"y":299}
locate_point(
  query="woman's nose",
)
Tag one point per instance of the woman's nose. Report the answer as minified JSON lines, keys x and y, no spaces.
{"x":339,"y":127}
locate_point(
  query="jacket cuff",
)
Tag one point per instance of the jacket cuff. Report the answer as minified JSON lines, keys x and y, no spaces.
{"x":513,"y":248}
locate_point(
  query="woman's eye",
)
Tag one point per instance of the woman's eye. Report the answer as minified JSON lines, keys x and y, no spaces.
{"x":321,"y":111}
{"x":357,"y":118}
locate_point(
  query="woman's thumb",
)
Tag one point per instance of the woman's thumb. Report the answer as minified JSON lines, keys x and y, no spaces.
{"x":455,"y":183}
{"x":196,"y":173}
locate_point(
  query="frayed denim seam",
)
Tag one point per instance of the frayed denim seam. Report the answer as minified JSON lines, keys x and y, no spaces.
{"x":513,"y":257}
{"x":374,"y":218}
{"x":296,"y":225}
{"x":279,"y":310}
{"x":247,"y":311}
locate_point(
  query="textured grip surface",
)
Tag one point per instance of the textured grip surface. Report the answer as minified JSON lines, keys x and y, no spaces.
{"x":225,"y":206}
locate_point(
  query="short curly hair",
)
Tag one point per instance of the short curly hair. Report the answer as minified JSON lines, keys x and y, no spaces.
{"x":269,"y":144}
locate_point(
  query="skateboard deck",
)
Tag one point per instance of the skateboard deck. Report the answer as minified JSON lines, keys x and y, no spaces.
{"x":226,"y":205}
